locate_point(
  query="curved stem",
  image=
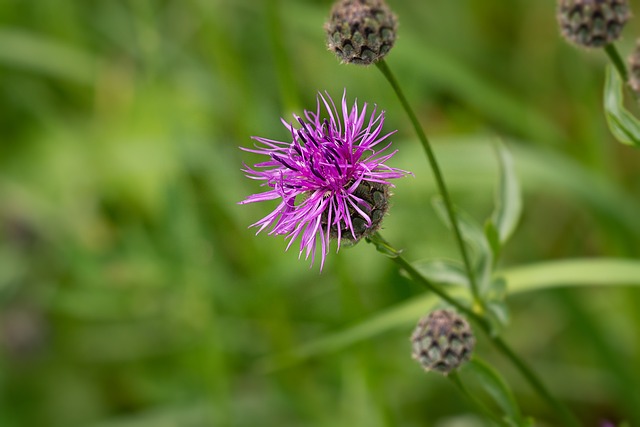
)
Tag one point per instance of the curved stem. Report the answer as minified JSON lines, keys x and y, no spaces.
{"x":455,"y":379}
{"x":384,"y":68}
{"x":419,"y":278}
{"x":385,"y":247}
{"x":617,"y":61}
{"x":621,"y":68}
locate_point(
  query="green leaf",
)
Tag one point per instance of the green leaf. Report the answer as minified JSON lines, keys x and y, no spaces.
{"x":472,"y":234}
{"x":493,"y":238}
{"x":498,"y":314}
{"x":401,"y":315}
{"x":497,"y":290}
{"x":623,"y":125}
{"x":493,"y":383}
{"x":470,"y":230}
{"x":539,"y":170}
{"x":579,"y":272}
{"x":508,"y":204}
{"x":443,"y":271}
{"x":541,"y":276}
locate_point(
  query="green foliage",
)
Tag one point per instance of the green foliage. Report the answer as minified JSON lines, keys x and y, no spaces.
{"x":623,"y":125}
{"x":526,"y":279}
{"x":492,"y":382}
{"x":508,"y":203}
{"x":133,"y":294}
{"x":486,"y":246}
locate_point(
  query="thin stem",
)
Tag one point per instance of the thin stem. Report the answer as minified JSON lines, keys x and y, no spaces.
{"x":415,"y":274}
{"x":455,"y":379}
{"x":568,"y":418}
{"x":617,"y":61}
{"x":385,"y":247}
{"x":384,"y":68}
{"x":621,"y":67}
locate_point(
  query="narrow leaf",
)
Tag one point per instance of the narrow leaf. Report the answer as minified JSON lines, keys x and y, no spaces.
{"x":623,"y":125}
{"x":508,"y":204}
{"x":443,"y":271}
{"x":472,"y":234}
{"x":402,"y":314}
{"x":498,"y":316}
{"x":493,"y":237}
{"x":470,"y":230}
{"x":545,"y":275}
{"x":493,"y":383}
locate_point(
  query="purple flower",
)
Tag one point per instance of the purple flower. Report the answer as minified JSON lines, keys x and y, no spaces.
{"x":331,"y":178}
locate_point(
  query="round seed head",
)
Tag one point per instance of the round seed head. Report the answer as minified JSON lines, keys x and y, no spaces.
{"x":361,"y":31}
{"x":634,"y":68}
{"x":592,"y":23}
{"x":442,"y":341}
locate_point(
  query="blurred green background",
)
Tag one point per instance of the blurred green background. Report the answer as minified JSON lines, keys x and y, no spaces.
{"x":132,"y":292}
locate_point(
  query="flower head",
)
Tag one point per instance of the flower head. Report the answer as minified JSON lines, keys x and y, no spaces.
{"x":361,"y":31}
{"x":331,"y":178}
{"x":592,"y":23}
{"x":442,"y":341}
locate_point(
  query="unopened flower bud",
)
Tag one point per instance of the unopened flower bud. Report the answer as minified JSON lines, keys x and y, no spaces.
{"x":592,"y":23}
{"x":361,"y":31}
{"x":442,"y":341}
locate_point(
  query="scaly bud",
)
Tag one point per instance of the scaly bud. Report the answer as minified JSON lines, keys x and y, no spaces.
{"x":442,"y":341}
{"x":592,"y":23}
{"x":361,"y":31}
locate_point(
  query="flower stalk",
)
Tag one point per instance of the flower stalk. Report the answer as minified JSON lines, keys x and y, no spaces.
{"x":442,"y":187}
{"x":568,"y":418}
{"x":617,"y":61}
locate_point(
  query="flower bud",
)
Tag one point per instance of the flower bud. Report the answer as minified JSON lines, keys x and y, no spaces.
{"x":442,"y":341}
{"x":592,"y":23}
{"x":361,"y":31}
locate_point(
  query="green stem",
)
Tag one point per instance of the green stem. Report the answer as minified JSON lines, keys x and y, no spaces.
{"x":455,"y":379}
{"x":621,"y":67}
{"x":384,"y":68}
{"x":617,"y":61}
{"x":385,"y":247}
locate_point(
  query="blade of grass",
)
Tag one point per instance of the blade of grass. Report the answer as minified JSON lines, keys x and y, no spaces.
{"x":535,"y":277}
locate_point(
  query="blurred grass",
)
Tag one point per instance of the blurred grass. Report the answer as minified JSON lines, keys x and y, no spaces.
{"x":132,"y":292}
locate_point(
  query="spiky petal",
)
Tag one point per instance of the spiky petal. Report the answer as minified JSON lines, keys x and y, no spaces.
{"x":321,"y":176}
